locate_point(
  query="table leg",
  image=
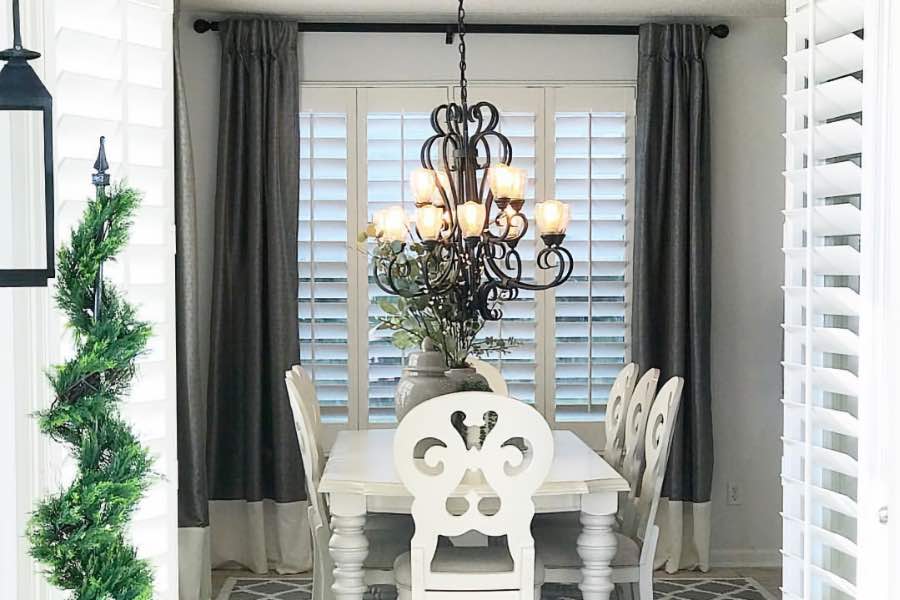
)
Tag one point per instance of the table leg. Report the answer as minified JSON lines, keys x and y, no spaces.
{"x":597,"y":545}
{"x":348,"y":546}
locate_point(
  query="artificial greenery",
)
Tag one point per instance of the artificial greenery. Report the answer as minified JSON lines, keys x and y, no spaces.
{"x":444,"y":318}
{"x":79,"y":533}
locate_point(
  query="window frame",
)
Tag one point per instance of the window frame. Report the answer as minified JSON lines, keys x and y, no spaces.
{"x":358,"y":98}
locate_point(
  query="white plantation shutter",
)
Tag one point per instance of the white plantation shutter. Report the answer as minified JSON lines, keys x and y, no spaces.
{"x":592,"y":145}
{"x":822,"y":268}
{"x":574,"y":141}
{"x":111,"y":74}
{"x":393,"y":125}
{"x":325,"y":246}
{"x":522,"y":122}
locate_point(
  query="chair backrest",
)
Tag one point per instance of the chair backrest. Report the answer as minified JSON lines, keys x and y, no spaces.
{"x":491,"y":373}
{"x":658,"y":441}
{"x":309,"y":450}
{"x":616,"y":409}
{"x":309,"y":403}
{"x":635,"y":426}
{"x":506,"y":474}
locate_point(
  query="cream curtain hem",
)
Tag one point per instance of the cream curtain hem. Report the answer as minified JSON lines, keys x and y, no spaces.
{"x":684,"y":529}
{"x":260,"y":536}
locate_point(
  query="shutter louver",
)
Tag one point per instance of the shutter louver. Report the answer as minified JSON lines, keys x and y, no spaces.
{"x":323,"y":303}
{"x":590,"y":175}
{"x":822,"y":268}
{"x":111,"y":72}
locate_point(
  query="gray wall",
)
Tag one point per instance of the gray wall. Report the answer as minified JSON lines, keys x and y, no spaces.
{"x":746,"y":82}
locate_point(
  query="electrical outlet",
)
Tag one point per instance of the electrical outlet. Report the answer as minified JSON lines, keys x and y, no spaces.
{"x":733,"y":494}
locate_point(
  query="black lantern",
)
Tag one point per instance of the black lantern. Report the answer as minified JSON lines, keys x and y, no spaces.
{"x":22,"y":90}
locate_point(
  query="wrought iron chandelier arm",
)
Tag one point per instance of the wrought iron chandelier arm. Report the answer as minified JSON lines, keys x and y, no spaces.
{"x":564,"y":266}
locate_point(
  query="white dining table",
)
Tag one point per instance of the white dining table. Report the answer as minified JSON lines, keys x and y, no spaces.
{"x":359,"y":478}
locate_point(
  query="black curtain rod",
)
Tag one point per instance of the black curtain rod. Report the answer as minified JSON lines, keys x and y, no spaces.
{"x":450,"y":29}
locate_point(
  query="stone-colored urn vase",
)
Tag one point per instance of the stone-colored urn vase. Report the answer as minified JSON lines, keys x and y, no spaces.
{"x":423,"y":378}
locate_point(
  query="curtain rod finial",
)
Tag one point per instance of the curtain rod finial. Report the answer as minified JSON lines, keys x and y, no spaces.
{"x":720,"y":31}
{"x":202,"y":26}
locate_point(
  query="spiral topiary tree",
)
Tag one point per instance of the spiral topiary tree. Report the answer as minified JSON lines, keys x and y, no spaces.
{"x":79,"y":533}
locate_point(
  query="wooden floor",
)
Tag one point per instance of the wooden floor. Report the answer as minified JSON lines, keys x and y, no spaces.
{"x":769,"y":578}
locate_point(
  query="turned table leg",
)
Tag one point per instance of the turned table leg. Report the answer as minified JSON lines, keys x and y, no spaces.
{"x":348,"y":546}
{"x":597,"y":545}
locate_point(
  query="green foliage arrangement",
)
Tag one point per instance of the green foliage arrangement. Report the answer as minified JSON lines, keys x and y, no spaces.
{"x":79,"y":533}
{"x":442,"y":318}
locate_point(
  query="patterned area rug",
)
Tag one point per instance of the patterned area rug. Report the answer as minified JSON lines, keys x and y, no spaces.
{"x":300,"y":588}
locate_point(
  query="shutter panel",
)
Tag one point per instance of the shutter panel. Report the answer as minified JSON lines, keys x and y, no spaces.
{"x":396,"y":123}
{"x":323,"y":248}
{"x":822,"y":268}
{"x":111,"y":74}
{"x":591,"y":173}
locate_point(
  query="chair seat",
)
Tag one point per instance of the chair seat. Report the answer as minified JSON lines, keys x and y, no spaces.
{"x":556,"y":548}
{"x":450,"y":559}
{"x":389,"y":537}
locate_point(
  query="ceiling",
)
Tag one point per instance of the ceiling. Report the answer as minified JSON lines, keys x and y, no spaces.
{"x":501,"y":11}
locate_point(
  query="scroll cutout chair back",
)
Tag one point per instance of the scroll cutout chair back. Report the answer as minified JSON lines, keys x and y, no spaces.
{"x":450,"y":470}
{"x":616,"y":412}
{"x":635,"y":426}
{"x":637,"y":540}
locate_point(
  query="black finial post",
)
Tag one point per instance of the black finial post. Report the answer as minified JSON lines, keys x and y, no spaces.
{"x":101,"y":166}
{"x":100,"y":179}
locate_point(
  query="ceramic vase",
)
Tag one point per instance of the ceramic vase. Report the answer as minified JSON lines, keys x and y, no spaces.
{"x":423,"y":378}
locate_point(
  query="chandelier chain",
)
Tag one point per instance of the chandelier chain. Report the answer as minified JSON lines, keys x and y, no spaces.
{"x":461,"y":30}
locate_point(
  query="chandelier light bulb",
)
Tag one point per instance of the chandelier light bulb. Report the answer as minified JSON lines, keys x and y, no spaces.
{"x":507,"y":181}
{"x":423,"y":185}
{"x":394,"y":223}
{"x":429,"y":222}
{"x":552,"y":217}
{"x":471,"y":219}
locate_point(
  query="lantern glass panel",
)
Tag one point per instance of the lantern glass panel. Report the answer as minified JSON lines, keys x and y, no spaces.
{"x":23,"y":231}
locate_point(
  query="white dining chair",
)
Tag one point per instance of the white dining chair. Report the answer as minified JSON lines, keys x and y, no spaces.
{"x":448,"y":500}
{"x":388,"y":535}
{"x":639,"y":396}
{"x":632,"y":466}
{"x":616,"y":410}
{"x":491,"y":373}
{"x":639,"y":534}
{"x":307,"y":401}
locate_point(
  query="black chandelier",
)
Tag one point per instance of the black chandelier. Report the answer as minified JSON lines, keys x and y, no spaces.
{"x":469,"y":214}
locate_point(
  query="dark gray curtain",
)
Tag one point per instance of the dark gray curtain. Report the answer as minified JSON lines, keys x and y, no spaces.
{"x":194,"y":574}
{"x":193,"y":507}
{"x":252,"y":451}
{"x":671,"y":314}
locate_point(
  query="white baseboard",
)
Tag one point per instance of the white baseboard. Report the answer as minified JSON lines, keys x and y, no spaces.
{"x":741,"y":557}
